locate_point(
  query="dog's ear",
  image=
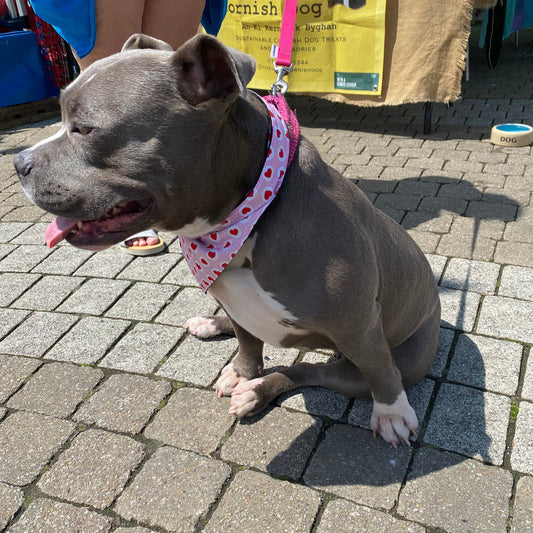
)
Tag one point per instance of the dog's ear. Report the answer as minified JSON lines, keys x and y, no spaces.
{"x":139,"y":40}
{"x":207,"y":70}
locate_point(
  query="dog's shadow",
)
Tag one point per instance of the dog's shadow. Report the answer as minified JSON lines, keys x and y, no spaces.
{"x":345,"y":456}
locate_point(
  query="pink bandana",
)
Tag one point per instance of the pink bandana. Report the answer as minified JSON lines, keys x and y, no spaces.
{"x":209,"y":254}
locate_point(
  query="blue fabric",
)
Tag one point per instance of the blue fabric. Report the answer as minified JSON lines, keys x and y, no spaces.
{"x":75,"y":21}
{"x":21,"y":76}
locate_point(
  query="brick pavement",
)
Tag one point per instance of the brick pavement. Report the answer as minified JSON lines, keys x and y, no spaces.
{"x":108,"y":420}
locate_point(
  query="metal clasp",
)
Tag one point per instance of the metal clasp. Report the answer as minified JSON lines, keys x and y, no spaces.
{"x":280,"y":85}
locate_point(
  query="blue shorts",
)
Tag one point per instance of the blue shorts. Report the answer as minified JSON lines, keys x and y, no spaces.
{"x":75,"y":20}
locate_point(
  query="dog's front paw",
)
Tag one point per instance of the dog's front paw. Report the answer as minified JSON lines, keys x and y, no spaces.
{"x":396,"y":422}
{"x":204,"y":327}
{"x":228,"y":381}
{"x":247,"y":399}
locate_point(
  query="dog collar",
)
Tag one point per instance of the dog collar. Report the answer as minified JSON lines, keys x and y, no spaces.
{"x":208,"y":255}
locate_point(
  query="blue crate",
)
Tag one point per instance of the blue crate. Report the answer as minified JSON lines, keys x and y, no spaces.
{"x":22,"y":78}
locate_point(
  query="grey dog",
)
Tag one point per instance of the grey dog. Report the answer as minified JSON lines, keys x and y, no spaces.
{"x":168,"y":139}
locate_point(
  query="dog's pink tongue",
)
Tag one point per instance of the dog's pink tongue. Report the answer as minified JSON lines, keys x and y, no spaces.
{"x":58,"y":230}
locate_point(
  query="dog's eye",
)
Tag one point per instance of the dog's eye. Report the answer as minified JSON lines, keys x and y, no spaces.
{"x":82,"y":130}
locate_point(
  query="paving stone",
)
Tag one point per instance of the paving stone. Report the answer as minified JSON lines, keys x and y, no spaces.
{"x":34,"y":234}
{"x":456,"y":494}
{"x":180,"y":275}
{"x":350,"y":463}
{"x":56,"y":389}
{"x":458,"y":308}
{"x":516,"y":282}
{"x":174,"y":490}
{"x":201,"y":433}
{"x":142,"y":301}
{"x":521,"y":230}
{"x":142,"y":348}
{"x":12,"y":285}
{"x":105,"y":264}
{"x":188,"y":303}
{"x":9,"y":231}
{"x":27,"y":442}
{"x":94,"y":470}
{"x":132,"y":530}
{"x":11,"y":498}
{"x":5,"y":249}
{"x":512,"y":253}
{"x":418,"y":396}
{"x":486,"y":363}
{"x":476,"y":276}
{"x":124,"y":403}
{"x":94,"y":297}
{"x":152,"y":268}
{"x":15,"y":370}
{"x":522,"y":453}
{"x":37,"y":334}
{"x":470,"y":422}
{"x":441,"y":358}
{"x":437,"y":264}
{"x":47,"y":293}
{"x":9,"y":318}
{"x":313,"y":400}
{"x":527,"y":387}
{"x":198,"y":361}
{"x":63,"y":260}
{"x":47,"y":516}
{"x":255,"y":502}
{"x":277,"y":442}
{"x":523,"y":507}
{"x":506,"y":318}
{"x":424,"y":221}
{"x":342,"y":516}
{"x":274,"y":357}
{"x":88,"y":340}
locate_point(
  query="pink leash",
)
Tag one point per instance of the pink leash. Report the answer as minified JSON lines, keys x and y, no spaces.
{"x":282,"y":53}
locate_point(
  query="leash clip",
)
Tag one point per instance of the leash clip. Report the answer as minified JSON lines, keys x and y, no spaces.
{"x":280,"y":86}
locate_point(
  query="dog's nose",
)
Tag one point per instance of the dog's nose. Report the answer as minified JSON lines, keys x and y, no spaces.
{"x":23,"y":163}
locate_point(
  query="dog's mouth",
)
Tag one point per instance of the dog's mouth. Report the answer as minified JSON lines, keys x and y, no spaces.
{"x":114,"y":226}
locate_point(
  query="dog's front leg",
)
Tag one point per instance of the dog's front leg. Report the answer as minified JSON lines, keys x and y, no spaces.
{"x":247,"y":364}
{"x":392,"y":416}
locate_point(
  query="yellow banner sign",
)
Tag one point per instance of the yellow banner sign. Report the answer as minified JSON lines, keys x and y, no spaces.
{"x":338,"y":44}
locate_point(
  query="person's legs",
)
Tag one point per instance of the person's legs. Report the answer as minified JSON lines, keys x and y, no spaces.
{"x":172,"y":21}
{"x":115,"y":22}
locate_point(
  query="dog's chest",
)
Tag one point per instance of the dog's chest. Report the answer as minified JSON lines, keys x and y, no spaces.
{"x":248,"y":304}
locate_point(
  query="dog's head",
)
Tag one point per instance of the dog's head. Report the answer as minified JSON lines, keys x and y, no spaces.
{"x":135,"y":138}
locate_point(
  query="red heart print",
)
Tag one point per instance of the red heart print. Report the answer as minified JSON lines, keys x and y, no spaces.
{"x":251,"y":193}
{"x":194,"y":245}
{"x":245,"y":210}
{"x":268,"y":173}
{"x":281,"y":153}
{"x":212,"y":255}
{"x":224,"y":265}
{"x":278,"y":133}
{"x":269,"y":152}
{"x":281,"y":174}
{"x":216,"y":272}
{"x":234,"y":231}
{"x":228,"y":244}
{"x":214,"y":236}
{"x":198,"y":266}
{"x":267,"y":194}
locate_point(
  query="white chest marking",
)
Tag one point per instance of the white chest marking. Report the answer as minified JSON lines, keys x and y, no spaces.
{"x":254,"y":309}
